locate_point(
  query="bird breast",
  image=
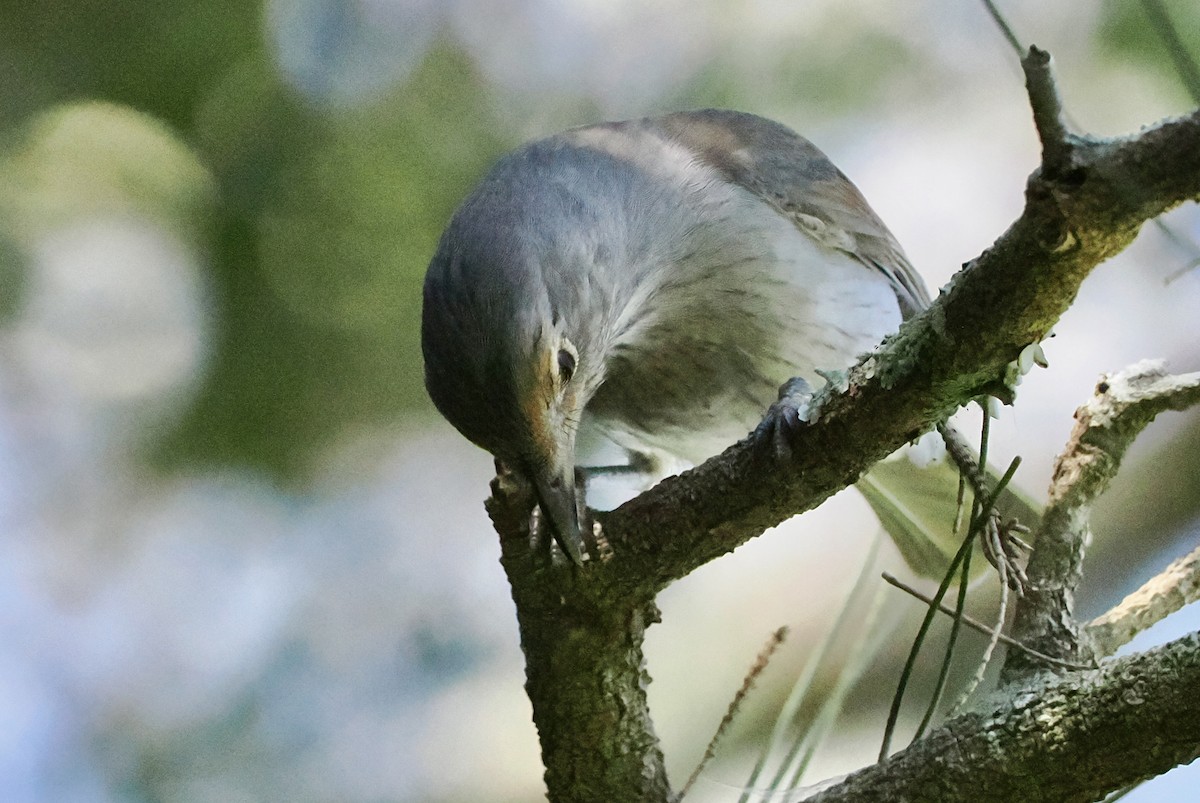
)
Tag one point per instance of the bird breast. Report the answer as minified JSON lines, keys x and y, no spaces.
{"x":731,"y":299}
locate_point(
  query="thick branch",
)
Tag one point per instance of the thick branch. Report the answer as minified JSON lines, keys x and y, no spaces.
{"x":1071,"y":738}
{"x":584,"y":667}
{"x":1124,"y":404}
{"x":1009,"y":297}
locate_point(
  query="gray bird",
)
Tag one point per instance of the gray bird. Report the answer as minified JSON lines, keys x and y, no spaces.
{"x":657,"y":279}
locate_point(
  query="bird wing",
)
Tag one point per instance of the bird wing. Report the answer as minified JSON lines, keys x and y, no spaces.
{"x":795,"y":177}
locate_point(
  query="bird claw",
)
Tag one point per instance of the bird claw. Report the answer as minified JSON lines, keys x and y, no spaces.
{"x":549,"y":549}
{"x":784,"y":417}
{"x":1005,"y":549}
{"x":542,"y":546}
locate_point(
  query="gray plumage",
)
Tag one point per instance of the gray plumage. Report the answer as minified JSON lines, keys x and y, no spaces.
{"x":686,"y":265}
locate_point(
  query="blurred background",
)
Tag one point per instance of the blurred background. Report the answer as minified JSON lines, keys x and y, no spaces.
{"x":242,"y":558}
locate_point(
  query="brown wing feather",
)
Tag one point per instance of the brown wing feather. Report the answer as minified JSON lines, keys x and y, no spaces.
{"x":794,"y":176}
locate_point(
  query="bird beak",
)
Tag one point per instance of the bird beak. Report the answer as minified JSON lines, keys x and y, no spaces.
{"x":556,"y":494}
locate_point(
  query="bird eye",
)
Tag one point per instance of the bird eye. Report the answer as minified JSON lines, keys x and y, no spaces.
{"x":566,"y":365}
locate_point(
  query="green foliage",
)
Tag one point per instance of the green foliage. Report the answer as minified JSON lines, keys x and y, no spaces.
{"x":80,"y":161}
{"x":315,"y":223}
{"x":826,"y":87}
{"x":329,"y":221}
{"x":157,"y":57}
{"x":1129,"y":34}
{"x":12,"y":276}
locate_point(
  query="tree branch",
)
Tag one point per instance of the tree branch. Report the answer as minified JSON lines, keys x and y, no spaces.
{"x":582,"y":630}
{"x":1058,"y":145}
{"x":1007,"y":298}
{"x":975,"y":624}
{"x":1124,"y":404}
{"x":1178,"y":585}
{"x":584,"y":667}
{"x":1070,"y":738}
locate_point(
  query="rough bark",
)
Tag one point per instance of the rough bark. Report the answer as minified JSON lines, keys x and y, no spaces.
{"x":1124,"y":404}
{"x":1071,"y":738}
{"x":584,"y":667}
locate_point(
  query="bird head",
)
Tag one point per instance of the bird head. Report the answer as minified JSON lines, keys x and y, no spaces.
{"x":510,"y":356}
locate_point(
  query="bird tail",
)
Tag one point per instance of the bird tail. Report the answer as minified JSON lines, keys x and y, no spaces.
{"x":919,"y":506}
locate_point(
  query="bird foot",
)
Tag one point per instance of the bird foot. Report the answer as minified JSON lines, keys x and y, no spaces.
{"x":1005,"y":549}
{"x":784,"y":417}
{"x":549,"y":549}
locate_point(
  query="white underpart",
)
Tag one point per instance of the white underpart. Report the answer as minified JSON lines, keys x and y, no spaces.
{"x":826,"y":305}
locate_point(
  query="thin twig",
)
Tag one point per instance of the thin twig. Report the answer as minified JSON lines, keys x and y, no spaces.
{"x":977,"y":523}
{"x":1047,"y":107}
{"x":1185,"y":244}
{"x":960,"y":604}
{"x":981,"y":491}
{"x":979,"y":626}
{"x":1158,"y":598}
{"x":963,"y":457}
{"x":1184,"y":271}
{"x":1189,"y":75}
{"x":993,"y":637}
{"x":1004,"y":27}
{"x":760,"y":664}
